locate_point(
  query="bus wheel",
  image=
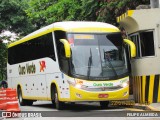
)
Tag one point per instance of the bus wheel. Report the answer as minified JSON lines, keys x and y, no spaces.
{"x":104,"y":104}
{"x":29,"y":102}
{"x":58,"y":104}
{"x":21,"y":100}
{"x":53,"y":103}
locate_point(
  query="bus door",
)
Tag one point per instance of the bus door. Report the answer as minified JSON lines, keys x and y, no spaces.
{"x":63,"y":64}
{"x":63,"y":85}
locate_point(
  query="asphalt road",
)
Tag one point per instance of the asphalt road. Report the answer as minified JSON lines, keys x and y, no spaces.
{"x":78,"y":111}
{"x":80,"y":106}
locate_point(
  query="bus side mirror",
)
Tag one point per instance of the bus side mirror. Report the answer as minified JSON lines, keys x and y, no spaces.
{"x":66,"y":48}
{"x":132,"y":47}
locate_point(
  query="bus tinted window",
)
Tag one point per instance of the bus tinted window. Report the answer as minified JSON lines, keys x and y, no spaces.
{"x":31,"y":50}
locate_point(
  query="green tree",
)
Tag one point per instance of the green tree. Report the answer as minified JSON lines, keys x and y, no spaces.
{"x":108,"y":10}
{"x":24,"y":16}
{"x":3,"y":61}
{"x":13,"y":17}
{"x":44,"y":12}
{"x":119,"y":7}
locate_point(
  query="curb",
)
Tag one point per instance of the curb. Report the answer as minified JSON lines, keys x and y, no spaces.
{"x":149,"y":107}
{"x":142,"y":107}
{"x":145,"y":107}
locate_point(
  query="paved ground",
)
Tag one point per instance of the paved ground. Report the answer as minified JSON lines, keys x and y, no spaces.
{"x":81,"y":111}
{"x":155,"y":106}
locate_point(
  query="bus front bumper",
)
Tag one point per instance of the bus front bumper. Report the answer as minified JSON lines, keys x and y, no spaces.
{"x":82,"y":95}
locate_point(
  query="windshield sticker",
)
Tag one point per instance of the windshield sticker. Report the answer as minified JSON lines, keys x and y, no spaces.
{"x":71,"y":42}
{"x":79,"y":82}
{"x":82,"y":37}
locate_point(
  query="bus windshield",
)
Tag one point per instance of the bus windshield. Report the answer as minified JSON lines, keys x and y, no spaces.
{"x":97,"y":56}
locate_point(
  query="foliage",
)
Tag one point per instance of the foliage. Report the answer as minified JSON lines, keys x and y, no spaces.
{"x":24,"y":16}
{"x":3,"y":61}
{"x":13,"y":17}
{"x":108,"y":10}
{"x":44,"y":12}
{"x":89,"y":10}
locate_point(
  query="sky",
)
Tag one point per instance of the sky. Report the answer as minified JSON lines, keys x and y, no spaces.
{"x":9,"y":34}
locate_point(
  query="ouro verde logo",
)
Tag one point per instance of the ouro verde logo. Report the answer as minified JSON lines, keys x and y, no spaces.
{"x":28,"y":69}
{"x":102,"y":84}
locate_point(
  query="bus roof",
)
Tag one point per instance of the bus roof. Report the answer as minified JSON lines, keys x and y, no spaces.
{"x":69,"y":26}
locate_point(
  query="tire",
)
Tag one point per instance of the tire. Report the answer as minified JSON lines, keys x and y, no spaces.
{"x":52,"y":96}
{"x":53,"y":103}
{"x":22,"y":101}
{"x":58,"y":104}
{"x":104,"y":104}
{"x":72,"y":103}
{"x":29,"y":102}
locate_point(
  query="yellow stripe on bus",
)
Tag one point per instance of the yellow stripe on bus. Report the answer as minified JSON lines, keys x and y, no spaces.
{"x":36,"y":98}
{"x":96,"y":29}
{"x":38,"y":34}
{"x":33,"y":36}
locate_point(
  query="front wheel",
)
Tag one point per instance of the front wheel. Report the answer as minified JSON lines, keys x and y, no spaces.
{"x":22,"y":101}
{"x":104,"y":104}
{"x":58,"y":104}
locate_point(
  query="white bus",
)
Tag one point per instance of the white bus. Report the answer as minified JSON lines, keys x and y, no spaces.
{"x":70,"y":62}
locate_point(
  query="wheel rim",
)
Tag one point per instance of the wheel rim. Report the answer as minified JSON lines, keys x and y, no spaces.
{"x":56,"y":100}
{"x":20,"y":96}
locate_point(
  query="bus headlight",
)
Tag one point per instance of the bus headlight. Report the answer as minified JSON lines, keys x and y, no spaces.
{"x":73,"y":83}
{"x":78,"y":86}
{"x":125,"y":84}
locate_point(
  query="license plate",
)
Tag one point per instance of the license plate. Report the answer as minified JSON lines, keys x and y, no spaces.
{"x":103,"y":96}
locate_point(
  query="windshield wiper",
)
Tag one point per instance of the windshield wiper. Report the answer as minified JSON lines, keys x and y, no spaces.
{"x":89,"y":64}
{"x":106,"y":57}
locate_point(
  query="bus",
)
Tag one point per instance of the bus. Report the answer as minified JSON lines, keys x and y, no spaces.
{"x":72,"y":61}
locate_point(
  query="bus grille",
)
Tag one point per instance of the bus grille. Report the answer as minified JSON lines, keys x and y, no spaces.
{"x":102,"y":88}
